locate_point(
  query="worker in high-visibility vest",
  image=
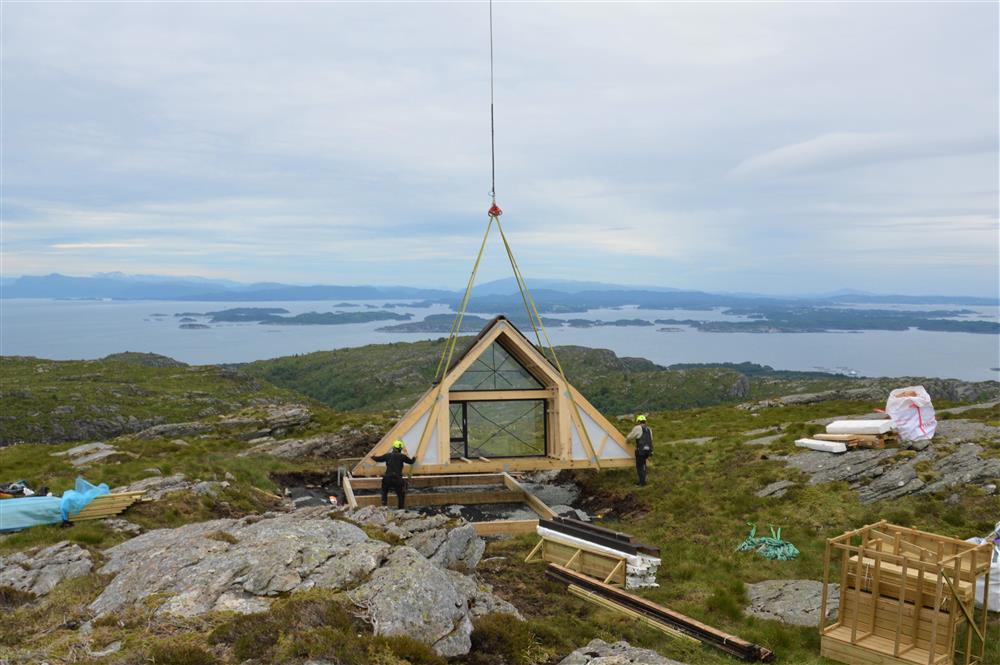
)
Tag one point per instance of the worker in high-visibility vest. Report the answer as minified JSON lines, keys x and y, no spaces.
{"x":642,"y":436}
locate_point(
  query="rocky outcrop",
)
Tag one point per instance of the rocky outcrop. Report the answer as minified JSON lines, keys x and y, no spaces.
{"x":882,"y":475}
{"x":346,"y":442}
{"x":411,"y":596}
{"x":39,"y":571}
{"x":240,"y":565}
{"x":776,"y":489}
{"x":88,"y":453}
{"x":877,"y":391}
{"x":853,"y":466}
{"x":235,"y":564}
{"x":599,"y":652}
{"x":795,"y":602}
{"x":965,"y":466}
{"x":80,"y":428}
{"x":276,"y":420}
{"x":157,"y":487}
{"x":453,"y":547}
{"x":174,"y":430}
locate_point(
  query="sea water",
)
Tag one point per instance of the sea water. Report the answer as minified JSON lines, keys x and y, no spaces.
{"x":59,"y":330}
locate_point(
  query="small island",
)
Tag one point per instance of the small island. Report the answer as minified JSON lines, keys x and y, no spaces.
{"x":274,"y":316}
{"x":193,"y":326}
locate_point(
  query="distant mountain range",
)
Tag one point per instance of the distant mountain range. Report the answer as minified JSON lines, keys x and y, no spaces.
{"x":553,"y":295}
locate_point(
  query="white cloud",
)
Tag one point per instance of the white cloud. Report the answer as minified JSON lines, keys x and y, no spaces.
{"x":698,"y":145}
{"x":131,"y":244}
{"x":846,"y":150}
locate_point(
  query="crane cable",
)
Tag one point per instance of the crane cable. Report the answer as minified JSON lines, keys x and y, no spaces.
{"x":530,"y":307}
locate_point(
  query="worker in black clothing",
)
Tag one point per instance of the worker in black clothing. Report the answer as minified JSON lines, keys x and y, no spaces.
{"x":643,"y":438}
{"x":393,"y":476}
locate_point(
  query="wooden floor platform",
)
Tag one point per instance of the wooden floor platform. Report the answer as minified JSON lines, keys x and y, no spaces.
{"x":872,"y":650}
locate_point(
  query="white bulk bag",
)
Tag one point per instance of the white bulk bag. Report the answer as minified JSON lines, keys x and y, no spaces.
{"x":912,"y":413}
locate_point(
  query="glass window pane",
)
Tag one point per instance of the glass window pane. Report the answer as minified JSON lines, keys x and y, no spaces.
{"x":457,"y":429}
{"x":513,"y":428}
{"x":496,"y":369}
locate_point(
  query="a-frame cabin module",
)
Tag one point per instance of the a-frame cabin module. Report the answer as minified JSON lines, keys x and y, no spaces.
{"x":502,"y":406}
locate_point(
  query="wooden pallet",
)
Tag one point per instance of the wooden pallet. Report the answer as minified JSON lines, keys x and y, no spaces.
{"x":859,"y":440}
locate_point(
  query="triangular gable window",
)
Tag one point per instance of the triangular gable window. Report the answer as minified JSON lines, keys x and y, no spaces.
{"x":496,"y":369}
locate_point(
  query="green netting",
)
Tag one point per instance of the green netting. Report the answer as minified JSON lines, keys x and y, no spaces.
{"x":772,"y":547}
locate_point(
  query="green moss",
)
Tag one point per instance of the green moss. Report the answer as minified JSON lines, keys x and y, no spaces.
{"x":11,"y":598}
{"x":180,"y":651}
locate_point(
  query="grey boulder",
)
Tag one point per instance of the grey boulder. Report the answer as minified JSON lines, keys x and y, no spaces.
{"x":599,"y":652}
{"x":409,"y":595}
{"x":39,"y":571}
{"x":794,"y":602}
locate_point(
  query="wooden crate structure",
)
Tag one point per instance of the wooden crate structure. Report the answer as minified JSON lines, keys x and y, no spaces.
{"x":905,"y":598}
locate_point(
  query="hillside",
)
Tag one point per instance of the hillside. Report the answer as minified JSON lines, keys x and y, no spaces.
{"x":220,"y":520}
{"x":392,"y":376}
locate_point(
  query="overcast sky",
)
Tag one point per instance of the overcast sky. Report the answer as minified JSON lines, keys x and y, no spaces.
{"x":778,"y":148}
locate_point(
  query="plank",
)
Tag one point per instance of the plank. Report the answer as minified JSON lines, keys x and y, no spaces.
{"x":533,"y":501}
{"x":509,"y":464}
{"x":592,"y":597}
{"x":505,"y":527}
{"x":422,"y":481}
{"x":495,"y":395}
{"x":349,"y":492}
{"x":445,"y":498}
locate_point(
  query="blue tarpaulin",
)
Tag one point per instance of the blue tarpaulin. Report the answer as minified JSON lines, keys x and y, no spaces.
{"x":17,"y":514}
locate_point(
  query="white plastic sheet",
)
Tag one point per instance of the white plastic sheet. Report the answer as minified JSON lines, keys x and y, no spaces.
{"x":912,"y":413}
{"x":994,"y":591}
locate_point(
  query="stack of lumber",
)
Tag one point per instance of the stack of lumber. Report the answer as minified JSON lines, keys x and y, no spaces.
{"x":844,"y":434}
{"x":106,"y":505}
{"x":663,"y":618}
{"x":608,"y":555}
{"x":860,"y":433}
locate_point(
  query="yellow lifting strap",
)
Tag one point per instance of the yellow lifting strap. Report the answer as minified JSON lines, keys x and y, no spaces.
{"x":537,"y":326}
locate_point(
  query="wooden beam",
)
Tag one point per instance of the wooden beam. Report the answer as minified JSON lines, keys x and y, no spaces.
{"x":445,"y":498}
{"x":505,"y":527}
{"x":420,"y":482}
{"x":533,"y":501}
{"x":499,"y":395}
{"x":534,"y":550}
{"x":349,"y":492}
{"x":499,"y":465}
{"x":621,"y":609}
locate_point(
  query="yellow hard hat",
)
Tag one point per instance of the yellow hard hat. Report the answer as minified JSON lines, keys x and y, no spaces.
{"x":640,"y":419}
{"x":398,"y":443}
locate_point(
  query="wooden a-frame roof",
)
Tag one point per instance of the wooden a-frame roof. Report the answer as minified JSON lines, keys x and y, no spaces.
{"x":577,"y":435}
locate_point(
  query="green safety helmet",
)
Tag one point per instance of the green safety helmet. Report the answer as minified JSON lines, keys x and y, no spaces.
{"x":398,"y":444}
{"x":640,"y":419}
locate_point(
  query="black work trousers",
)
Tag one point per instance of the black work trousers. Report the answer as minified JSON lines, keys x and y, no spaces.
{"x":640,"y":467}
{"x":396,"y":483}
